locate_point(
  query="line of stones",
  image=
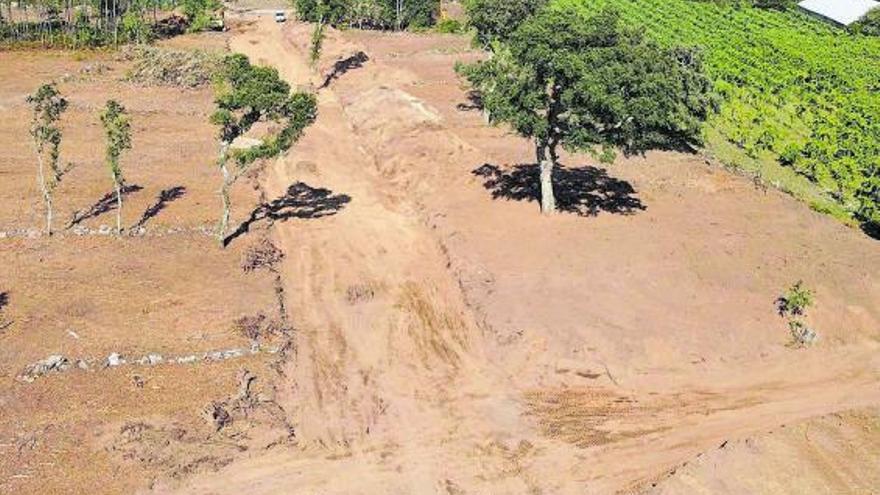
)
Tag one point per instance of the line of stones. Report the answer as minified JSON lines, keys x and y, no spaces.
{"x":60,"y":364}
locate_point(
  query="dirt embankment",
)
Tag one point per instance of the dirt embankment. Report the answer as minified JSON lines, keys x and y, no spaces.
{"x":449,"y":341}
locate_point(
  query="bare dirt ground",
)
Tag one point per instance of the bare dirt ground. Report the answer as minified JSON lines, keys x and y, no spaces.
{"x":449,"y":339}
{"x":452,"y":340}
{"x":171,"y":292}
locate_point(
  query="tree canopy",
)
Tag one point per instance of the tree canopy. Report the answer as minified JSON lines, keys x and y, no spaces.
{"x":375,"y":14}
{"x":249,"y":94}
{"x":496,"y":20}
{"x":869,"y":24}
{"x":589,"y":84}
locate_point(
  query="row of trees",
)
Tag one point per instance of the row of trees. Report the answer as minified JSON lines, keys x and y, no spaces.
{"x":48,"y":106}
{"x":566,"y":80}
{"x":370,"y":14}
{"x":247,"y":95}
{"x":91,"y":23}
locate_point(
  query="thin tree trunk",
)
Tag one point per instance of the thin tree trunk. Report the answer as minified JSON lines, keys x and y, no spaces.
{"x":48,"y":197}
{"x":224,"y":194}
{"x":44,"y":189}
{"x":115,"y":25}
{"x":118,"y":185}
{"x":547,"y":163}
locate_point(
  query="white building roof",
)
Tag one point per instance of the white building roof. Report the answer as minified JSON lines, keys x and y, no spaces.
{"x":844,"y":12}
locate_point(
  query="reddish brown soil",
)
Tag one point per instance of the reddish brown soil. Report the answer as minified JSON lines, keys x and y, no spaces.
{"x":451,"y":342}
{"x":500,"y":351}
{"x":84,"y":297}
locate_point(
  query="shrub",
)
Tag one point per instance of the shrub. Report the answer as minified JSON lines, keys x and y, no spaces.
{"x":449,"y":26}
{"x":793,"y":306}
{"x":135,"y":29}
{"x":795,"y":301}
{"x":869,"y":24}
{"x":199,"y":13}
{"x":773,"y":4}
{"x":376,"y":14}
{"x":789,"y":154}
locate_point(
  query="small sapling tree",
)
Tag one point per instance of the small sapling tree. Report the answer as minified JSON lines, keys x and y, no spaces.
{"x":793,"y":307}
{"x":317,"y":43}
{"x":246,"y":95}
{"x":47,"y":105}
{"x":117,"y":129}
{"x":589,"y":84}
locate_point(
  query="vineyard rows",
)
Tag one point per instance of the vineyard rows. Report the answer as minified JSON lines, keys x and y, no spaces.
{"x":792,"y":85}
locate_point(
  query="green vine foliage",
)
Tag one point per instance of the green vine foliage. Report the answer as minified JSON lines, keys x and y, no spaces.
{"x":794,"y":87}
{"x":869,"y":24}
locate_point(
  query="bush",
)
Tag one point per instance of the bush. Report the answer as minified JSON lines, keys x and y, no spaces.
{"x":375,"y":14}
{"x":869,"y":24}
{"x":868,"y":197}
{"x":773,"y":4}
{"x":789,"y":154}
{"x":135,"y":29}
{"x":199,"y":13}
{"x":449,"y":26}
{"x":793,"y":307}
{"x":795,"y":301}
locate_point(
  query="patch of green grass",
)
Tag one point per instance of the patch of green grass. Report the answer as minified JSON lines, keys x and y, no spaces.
{"x":766,"y":169}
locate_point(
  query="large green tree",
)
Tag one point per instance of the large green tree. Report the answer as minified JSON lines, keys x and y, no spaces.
{"x":590,"y":84}
{"x":250,"y":94}
{"x":496,"y":20}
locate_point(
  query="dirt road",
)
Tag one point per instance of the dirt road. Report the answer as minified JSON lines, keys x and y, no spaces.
{"x":449,"y":342}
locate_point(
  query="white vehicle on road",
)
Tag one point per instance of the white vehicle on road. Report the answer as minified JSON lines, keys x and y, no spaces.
{"x":280,"y":16}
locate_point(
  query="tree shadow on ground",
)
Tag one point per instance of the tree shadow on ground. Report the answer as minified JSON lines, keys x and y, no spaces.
{"x":300,"y":201}
{"x":103,"y":205}
{"x":165,"y":197}
{"x":475,"y":102}
{"x":584,"y":191}
{"x":4,"y":301}
{"x":355,"y":61}
{"x":872,"y":230}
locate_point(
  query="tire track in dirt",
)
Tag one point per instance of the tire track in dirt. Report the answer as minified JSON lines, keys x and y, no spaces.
{"x":384,"y":340}
{"x":395,"y":387}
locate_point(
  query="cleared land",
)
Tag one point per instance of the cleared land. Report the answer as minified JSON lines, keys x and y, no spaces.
{"x":84,"y":294}
{"x":448,"y":338}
